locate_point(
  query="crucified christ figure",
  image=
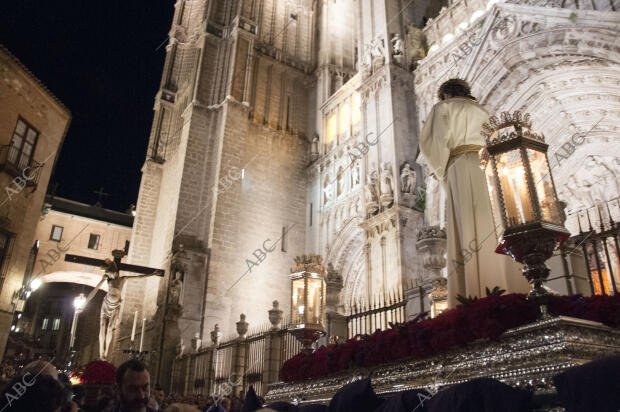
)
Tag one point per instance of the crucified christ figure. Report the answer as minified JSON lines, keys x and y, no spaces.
{"x":110,"y":307}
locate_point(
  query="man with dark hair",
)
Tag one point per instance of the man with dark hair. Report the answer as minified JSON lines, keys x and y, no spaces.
{"x":134,"y":387}
{"x":450,"y":142}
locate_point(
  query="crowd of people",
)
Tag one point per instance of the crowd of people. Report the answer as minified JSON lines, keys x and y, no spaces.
{"x":40,"y":387}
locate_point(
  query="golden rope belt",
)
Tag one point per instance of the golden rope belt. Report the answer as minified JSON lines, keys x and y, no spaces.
{"x":461,"y":150}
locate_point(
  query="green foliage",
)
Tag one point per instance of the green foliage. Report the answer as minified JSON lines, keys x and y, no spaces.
{"x":420,"y":203}
{"x":495,"y":292}
{"x":572,"y":17}
{"x":466,"y":300}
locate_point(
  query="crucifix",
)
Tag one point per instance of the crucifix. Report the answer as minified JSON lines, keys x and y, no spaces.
{"x":100,"y":193}
{"x":112,"y":301}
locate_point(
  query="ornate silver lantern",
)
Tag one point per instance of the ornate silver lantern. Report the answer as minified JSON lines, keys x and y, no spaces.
{"x":308,"y":293}
{"x":525,"y":207}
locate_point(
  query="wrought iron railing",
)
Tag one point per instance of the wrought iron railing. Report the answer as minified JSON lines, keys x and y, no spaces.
{"x":385,"y":310}
{"x":599,"y":238}
{"x":13,"y":163}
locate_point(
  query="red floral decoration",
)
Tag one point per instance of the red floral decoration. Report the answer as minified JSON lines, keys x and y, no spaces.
{"x":99,"y":372}
{"x":485,"y":318}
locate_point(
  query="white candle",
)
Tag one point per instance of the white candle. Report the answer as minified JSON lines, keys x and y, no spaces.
{"x":133,"y":330}
{"x":518,"y":199}
{"x":142,"y":334}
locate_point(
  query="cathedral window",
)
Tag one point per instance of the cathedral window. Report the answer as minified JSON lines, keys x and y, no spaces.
{"x":345,"y":118}
{"x":331,"y":128}
{"x":284,"y":240}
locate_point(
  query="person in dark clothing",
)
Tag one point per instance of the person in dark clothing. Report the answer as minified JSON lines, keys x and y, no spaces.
{"x":29,"y":392}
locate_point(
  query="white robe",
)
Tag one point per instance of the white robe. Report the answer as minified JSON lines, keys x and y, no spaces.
{"x":472,"y":261}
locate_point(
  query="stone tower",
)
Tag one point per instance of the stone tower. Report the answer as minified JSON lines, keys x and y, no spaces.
{"x":222,"y":200}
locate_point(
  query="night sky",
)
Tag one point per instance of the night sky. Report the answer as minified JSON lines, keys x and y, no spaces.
{"x":99,"y":59}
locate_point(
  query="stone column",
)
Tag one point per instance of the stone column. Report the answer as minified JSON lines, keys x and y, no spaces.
{"x":238,"y":356}
{"x":431,"y":246}
{"x":336,"y":321}
{"x":273,"y":347}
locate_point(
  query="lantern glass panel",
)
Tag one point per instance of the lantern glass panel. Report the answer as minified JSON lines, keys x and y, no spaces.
{"x":299,"y":306}
{"x":315,"y":300}
{"x":541,"y":175}
{"x":511,"y":174}
{"x":494,"y":196}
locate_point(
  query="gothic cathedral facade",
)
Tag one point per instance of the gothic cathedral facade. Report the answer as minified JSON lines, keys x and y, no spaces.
{"x":290,"y":127}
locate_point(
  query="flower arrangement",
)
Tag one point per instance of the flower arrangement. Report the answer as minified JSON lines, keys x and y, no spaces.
{"x":485,"y":318}
{"x":99,"y":372}
{"x":76,"y":377}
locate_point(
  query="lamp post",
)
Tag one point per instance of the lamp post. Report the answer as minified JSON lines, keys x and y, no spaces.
{"x":308,"y":293}
{"x":78,"y":305}
{"x":523,"y":197}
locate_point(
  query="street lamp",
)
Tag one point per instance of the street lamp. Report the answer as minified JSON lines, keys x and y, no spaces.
{"x":523,"y":197}
{"x":34,"y":285}
{"x":308,"y":300}
{"x":78,"y":304}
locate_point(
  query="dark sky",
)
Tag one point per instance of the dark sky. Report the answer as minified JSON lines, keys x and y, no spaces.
{"x":98,"y":57}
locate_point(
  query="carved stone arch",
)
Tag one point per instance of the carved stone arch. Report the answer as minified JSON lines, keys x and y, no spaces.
{"x":572,"y":92}
{"x":346,"y":254}
{"x":82,"y":278}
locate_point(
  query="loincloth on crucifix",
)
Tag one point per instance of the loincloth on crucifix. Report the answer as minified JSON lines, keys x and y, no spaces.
{"x":111,"y":303}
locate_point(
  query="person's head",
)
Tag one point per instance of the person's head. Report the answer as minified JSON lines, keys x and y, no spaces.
{"x":134,"y":385}
{"x":158,"y":394}
{"x":105,"y":404}
{"x":40,"y":367}
{"x":29,"y":392}
{"x":454,"y":88}
{"x":225,"y":402}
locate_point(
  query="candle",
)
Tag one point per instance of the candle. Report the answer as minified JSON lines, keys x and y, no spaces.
{"x":517,"y":190}
{"x":142,"y":334}
{"x":133,"y":329}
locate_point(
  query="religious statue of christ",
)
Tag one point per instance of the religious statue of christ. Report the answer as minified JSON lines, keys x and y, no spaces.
{"x":450,"y":142}
{"x":110,"y":307}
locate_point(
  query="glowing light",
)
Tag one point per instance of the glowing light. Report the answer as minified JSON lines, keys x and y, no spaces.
{"x":242,"y":174}
{"x":491,"y":3}
{"x":12,"y":328}
{"x":345,"y":117}
{"x":447,"y":38}
{"x":357,"y":106}
{"x":79,"y":301}
{"x":331,"y":128}
{"x":35,"y":284}
{"x":301,"y":309}
{"x":475,"y":16}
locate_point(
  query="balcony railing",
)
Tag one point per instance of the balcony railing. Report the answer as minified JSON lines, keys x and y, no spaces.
{"x":14,"y":164}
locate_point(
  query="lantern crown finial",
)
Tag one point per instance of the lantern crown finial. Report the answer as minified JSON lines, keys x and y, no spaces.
{"x":508,"y":126}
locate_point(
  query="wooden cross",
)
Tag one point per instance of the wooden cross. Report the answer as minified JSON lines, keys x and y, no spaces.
{"x":110,"y":307}
{"x":113,"y":266}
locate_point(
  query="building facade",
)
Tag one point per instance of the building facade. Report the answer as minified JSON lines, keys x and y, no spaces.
{"x":291,"y":127}
{"x":67,"y":226}
{"x":33,"y":124}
